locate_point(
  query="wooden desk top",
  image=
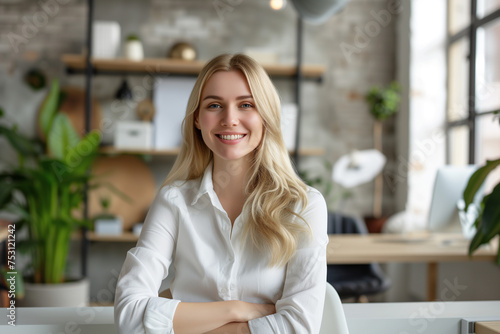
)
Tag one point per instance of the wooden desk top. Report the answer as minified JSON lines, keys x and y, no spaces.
{"x":421,"y":247}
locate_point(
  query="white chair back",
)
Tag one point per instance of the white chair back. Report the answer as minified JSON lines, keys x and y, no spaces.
{"x":334,"y":321}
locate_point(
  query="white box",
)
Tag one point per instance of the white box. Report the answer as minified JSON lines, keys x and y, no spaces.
{"x":134,"y":135}
{"x":108,"y":226}
{"x":170,"y":98}
{"x":105,"y":39}
{"x":289,"y":124}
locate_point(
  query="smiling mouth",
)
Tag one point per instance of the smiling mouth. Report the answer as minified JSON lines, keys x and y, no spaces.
{"x":230,"y":137}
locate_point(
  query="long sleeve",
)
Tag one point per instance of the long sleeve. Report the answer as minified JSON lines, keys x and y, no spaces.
{"x":138,"y":309}
{"x":300,"y":308}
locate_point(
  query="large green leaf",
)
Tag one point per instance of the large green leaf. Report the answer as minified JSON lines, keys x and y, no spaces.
{"x":62,"y":136}
{"x":6,"y":190}
{"x":81,"y":157}
{"x":490,"y":222}
{"x":477,"y":179}
{"x":19,"y":142}
{"x":49,"y":107}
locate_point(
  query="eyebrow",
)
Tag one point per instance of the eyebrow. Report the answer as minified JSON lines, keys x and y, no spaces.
{"x":215,"y":97}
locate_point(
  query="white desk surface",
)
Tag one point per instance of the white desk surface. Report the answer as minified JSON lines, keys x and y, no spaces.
{"x":372,"y":318}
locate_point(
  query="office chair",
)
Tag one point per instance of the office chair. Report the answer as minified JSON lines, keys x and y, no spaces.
{"x":354,"y":280}
{"x":334,"y":320}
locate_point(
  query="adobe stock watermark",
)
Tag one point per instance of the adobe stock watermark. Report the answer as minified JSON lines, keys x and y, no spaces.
{"x":32,"y":24}
{"x":420,"y":319}
{"x":424,"y":149}
{"x":371,"y":29}
{"x":224,"y":7}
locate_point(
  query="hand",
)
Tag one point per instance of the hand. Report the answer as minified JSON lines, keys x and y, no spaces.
{"x":248,"y":311}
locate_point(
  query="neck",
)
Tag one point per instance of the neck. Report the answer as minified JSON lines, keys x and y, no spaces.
{"x":230,"y":177}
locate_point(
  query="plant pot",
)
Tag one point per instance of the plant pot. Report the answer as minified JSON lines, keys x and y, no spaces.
{"x":69,"y":294}
{"x":375,"y":224}
{"x":134,"y":50}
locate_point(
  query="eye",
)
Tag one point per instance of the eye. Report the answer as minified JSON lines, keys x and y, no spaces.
{"x":246,"y":105}
{"x":214,"y":106}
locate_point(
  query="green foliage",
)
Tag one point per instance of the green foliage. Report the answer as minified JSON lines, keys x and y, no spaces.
{"x":133,"y":37}
{"x":488,"y":220}
{"x":383,"y":102}
{"x":47,"y":195}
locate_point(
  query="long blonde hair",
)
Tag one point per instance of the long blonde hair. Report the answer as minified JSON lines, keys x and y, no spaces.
{"x":274,"y":190}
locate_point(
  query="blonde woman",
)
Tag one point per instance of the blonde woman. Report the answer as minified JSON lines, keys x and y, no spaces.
{"x":246,"y":236}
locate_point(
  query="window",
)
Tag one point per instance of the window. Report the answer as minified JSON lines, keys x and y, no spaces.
{"x":473,"y":76}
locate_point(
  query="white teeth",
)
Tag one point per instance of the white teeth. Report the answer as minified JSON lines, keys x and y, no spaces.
{"x":231,"y":137}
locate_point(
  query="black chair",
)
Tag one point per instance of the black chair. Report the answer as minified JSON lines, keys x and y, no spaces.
{"x":354,"y":280}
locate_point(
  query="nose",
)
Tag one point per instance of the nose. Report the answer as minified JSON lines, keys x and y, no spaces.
{"x":229,"y":117}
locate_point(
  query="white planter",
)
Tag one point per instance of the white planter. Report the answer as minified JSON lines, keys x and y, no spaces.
{"x":69,"y":294}
{"x":134,"y":51}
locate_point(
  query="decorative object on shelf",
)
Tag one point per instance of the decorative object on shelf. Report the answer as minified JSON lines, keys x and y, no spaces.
{"x":124,"y":92}
{"x":35,"y":78}
{"x":359,"y":167}
{"x":131,"y":177}
{"x":73,"y":106}
{"x":382,"y":103}
{"x":106,"y":223}
{"x":318,"y":12}
{"x":145,"y":110}
{"x":488,"y":220}
{"x":133,"y":49}
{"x":134,"y":135}
{"x":182,"y":50}
{"x":105,"y":39}
{"x":288,"y":122}
{"x":263,"y":55}
{"x":46,"y":191}
{"x":170,"y":100}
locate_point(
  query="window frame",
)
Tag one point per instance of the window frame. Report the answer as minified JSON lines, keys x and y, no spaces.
{"x":470,"y":121}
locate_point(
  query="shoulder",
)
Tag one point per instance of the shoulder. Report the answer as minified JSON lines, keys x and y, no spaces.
{"x":315,"y":200}
{"x":178,"y":192}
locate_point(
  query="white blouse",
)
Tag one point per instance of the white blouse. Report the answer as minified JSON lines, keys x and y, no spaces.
{"x":187,"y":228}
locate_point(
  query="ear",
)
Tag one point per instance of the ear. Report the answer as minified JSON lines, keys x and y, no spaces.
{"x":196,"y":123}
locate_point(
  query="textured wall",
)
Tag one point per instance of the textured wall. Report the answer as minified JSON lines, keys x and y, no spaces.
{"x":357,"y":47}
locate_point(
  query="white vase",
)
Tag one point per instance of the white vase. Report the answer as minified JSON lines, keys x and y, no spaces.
{"x":68,"y":294}
{"x":134,"y":50}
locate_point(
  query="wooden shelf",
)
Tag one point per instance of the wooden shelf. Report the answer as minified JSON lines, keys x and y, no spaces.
{"x":111,"y":150}
{"x":124,"y":237}
{"x":155,"y":66}
{"x":173,"y":152}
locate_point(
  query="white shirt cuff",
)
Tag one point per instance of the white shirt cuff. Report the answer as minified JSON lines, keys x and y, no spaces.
{"x":159,"y":315}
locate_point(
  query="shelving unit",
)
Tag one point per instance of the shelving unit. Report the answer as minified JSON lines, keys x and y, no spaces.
{"x":173,"y":152}
{"x":158,"y":66}
{"x":84,"y":64}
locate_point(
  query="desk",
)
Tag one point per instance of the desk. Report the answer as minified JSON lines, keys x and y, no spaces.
{"x":430,"y":248}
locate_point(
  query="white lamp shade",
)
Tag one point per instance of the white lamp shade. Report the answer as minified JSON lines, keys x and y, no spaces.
{"x":358,"y":167}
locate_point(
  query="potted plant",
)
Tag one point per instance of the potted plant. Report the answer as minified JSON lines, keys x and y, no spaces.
{"x":382,"y":103}
{"x":488,"y":220}
{"x":45,"y":190}
{"x":133,"y":48}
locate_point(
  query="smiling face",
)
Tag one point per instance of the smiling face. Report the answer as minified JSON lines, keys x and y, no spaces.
{"x":228,"y":120}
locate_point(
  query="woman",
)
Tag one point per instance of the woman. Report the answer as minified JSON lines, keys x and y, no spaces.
{"x":246,"y":236}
